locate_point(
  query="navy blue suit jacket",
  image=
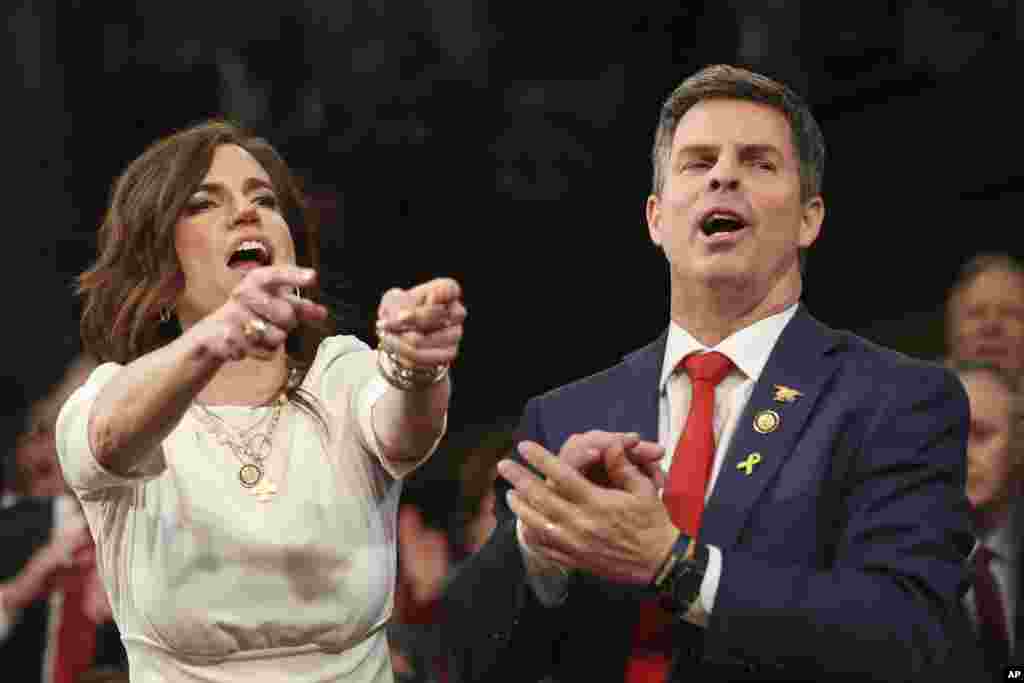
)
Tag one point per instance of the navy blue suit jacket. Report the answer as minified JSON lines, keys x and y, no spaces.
{"x":842,"y":551}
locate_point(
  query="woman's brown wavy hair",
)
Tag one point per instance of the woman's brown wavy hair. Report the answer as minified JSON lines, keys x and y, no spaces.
{"x":137,"y":273}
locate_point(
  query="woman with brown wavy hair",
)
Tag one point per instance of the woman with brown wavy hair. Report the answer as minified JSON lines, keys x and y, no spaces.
{"x":239,"y":467}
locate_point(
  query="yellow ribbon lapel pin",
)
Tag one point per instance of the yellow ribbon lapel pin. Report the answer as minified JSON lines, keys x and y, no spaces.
{"x":748,"y":465}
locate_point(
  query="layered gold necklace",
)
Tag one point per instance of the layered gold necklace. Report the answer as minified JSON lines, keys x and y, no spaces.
{"x":251,"y":446}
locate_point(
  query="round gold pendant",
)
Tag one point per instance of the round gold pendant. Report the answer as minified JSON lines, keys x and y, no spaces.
{"x":250,"y":475}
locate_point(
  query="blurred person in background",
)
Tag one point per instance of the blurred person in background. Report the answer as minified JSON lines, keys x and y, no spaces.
{"x":430,"y":557}
{"x":238,"y":466}
{"x":474,"y":519}
{"x":985,"y":312}
{"x":33,"y":471}
{"x":55,"y":620}
{"x":424,"y":565}
{"x":995,"y":455}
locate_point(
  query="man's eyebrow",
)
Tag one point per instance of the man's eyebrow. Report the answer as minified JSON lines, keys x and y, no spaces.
{"x":697,"y":149}
{"x":759,"y":150}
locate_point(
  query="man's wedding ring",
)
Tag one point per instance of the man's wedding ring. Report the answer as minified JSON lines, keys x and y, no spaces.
{"x":254,"y":329}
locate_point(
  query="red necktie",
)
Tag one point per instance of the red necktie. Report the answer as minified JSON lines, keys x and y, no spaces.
{"x":76,"y":632}
{"x":992,"y":630}
{"x":684,"y":492}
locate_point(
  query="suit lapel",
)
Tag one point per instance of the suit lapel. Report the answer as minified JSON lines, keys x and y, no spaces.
{"x":801,"y":360}
{"x":636,"y":404}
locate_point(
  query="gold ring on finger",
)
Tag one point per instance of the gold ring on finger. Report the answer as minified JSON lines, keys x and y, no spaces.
{"x":254,"y":329}
{"x":387,"y":341}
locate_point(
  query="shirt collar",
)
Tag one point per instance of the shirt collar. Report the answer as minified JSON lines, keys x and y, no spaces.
{"x":748,"y":348}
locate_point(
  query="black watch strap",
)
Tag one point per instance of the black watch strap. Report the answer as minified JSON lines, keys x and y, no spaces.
{"x":675,"y":554}
{"x":681,"y":587}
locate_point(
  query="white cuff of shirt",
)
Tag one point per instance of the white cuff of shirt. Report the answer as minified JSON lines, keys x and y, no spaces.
{"x":712,"y":575}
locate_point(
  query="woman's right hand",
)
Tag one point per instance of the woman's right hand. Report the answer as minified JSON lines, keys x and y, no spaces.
{"x":260,"y":312}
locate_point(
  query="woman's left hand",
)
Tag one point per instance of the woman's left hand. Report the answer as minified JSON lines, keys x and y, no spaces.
{"x":423,"y":325}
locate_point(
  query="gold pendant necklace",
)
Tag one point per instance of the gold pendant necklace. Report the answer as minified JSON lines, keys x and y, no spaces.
{"x":250,"y":474}
{"x":250,"y":449}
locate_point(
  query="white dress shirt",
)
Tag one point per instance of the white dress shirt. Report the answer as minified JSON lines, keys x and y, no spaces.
{"x":748,"y":349}
{"x":1001,"y":542}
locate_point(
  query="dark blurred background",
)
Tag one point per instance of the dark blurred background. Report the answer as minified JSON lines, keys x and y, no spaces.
{"x":507,"y":145}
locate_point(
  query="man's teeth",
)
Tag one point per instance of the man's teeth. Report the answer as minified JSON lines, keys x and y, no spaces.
{"x":719,"y":222}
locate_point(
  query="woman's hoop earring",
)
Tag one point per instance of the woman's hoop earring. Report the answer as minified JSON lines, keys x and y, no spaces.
{"x":165,"y":314}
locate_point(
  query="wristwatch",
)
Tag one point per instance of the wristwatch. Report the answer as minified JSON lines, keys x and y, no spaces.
{"x":678,"y":582}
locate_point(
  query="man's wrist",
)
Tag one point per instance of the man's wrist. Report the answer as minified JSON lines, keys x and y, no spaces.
{"x":536,"y":561}
{"x":676,"y":553}
{"x":548,"y":579}
{"x":678,"y":582}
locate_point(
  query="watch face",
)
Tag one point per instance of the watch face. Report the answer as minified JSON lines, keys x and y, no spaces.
{"x":689,"y":596}
{"x":689,"y":574}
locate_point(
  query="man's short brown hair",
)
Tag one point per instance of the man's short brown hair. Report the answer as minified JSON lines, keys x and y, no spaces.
{"x":724,"y":81}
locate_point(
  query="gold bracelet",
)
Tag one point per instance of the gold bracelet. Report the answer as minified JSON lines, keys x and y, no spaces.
{"x":407,"y":377}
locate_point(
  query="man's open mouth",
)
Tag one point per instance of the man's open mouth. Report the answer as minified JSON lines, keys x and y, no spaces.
{"x":719,"y":222}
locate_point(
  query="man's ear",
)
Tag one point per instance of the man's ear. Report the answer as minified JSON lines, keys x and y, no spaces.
{"x":810,"y":225}
{"x":653,"y":211}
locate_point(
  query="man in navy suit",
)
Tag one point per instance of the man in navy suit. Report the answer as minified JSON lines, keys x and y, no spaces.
{"x":796,"y":513}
